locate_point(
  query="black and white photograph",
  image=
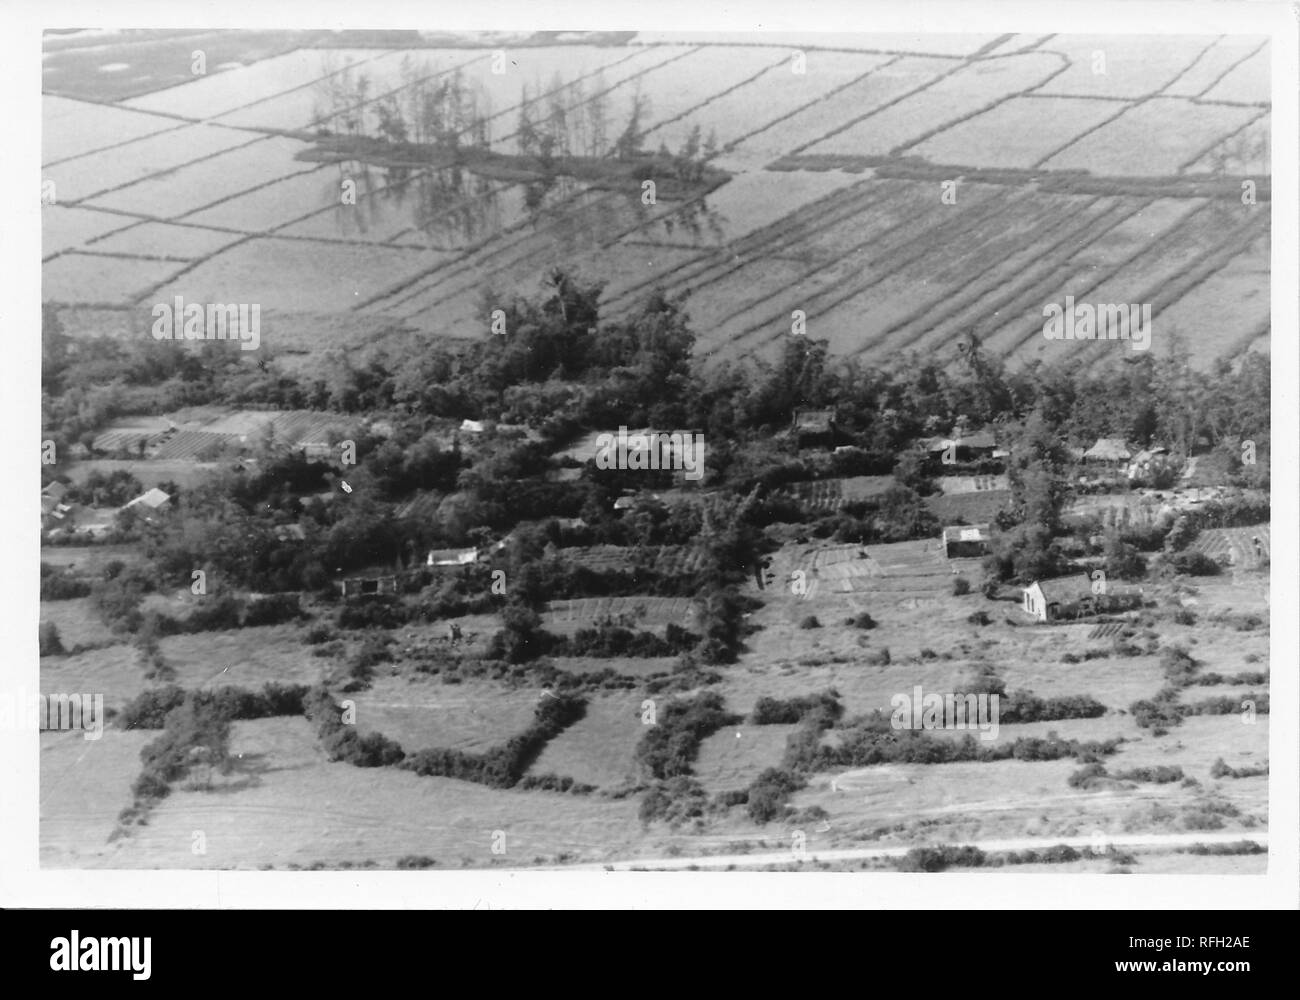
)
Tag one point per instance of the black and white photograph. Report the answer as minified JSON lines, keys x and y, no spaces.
{"x":598,"y":451}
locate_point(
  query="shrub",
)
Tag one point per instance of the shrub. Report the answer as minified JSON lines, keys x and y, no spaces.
{"x":413,"y":861}
{"x":979,"y":618}
{"x":273,"y":609}
{"x":318,"y":634}
{"x":61,"y":585}
{"x":810,"y":621}
{"x":1184,"y":616}
{"x":862,"y":620}
{"x":768,"y":794}
{"x":48,"y":639}
{"x":879,"y":657}
{"x":669,"y":747}
{"x":936,"y":859}
{"x":960,"y":586}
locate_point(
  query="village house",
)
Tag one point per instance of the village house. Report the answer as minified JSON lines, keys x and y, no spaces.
{"x":1140,"y":467}
{"x":452,"y":557}
{"x":965,"y":541}
{"x":151,"y":501}
{"x":814,"y":428}
{"x":1067,"y":597}
{"x":964,"y":446}
{"x":1108,"y":451}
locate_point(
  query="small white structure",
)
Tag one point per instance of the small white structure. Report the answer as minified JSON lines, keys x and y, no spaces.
{"x":154,"y":499}
{"x":452,"y":557}
{"x":472,"y":426}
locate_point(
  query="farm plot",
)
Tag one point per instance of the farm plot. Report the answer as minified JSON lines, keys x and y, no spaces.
{"x":944,"y":102}
{"x":75,"y":128}
{"x":113,"y":671}
{"x":845,"y":258}
{"x":1017,"y":133}
{"x":77,"y":621}
{"x":296,"y":276}
{"x":65,"y":228}
{"x":1116,"y":682}
{"x":1133,"y":65}
{"x":163,"y":239}
{"x":388,"y":211}
{"x":1237,"y":545}
{"x":84,"y":784}
{"x":832,"y":494}
{"x":247,"y":657}
{"x":1158,"y":137}
{"x":751,"y":201}
{"x":1249,"y":82}
{"x":649,"y":613}
{"x":92,"y":279}
{"x":297,"y":108}
{"x":196,"y":185}
{"x":1213,"y":65}
{"x":113,"y":322}
{"x":692,"y":83}
{"x":196,"y":444}
{"x":185,"y":474}
{"x":271,"y":206}
{"x":600,"y":748}
{"x":472,"y":716}
{"x":97,"y":173}
{"x":442,"y":218}
{"x":1184,"y":248}
{"x":1248,"y":153}
{"x":1223,"y":314}
{"x":733,"y":757}
{"x":333,"y":812}
{"x":220,"y":93}
{"x":984,"y":275}
{"x":764,"y":101}
{"x":893,"y":42}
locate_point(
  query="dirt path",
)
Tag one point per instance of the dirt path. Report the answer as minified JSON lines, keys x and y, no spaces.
{"x":869,"y":853}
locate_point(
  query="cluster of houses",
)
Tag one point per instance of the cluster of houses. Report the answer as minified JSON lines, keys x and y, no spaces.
{"x":60,"y":518}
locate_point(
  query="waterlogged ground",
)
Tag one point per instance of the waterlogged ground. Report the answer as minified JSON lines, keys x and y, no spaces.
{"x":192,"y":184}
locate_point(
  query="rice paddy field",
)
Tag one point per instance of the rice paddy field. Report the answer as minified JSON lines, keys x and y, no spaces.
{"x":1098,"y":166}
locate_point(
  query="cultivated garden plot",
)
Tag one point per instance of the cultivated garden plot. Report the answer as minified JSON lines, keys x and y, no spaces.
{"x":892,"y":42}
{"x":600,"y":748}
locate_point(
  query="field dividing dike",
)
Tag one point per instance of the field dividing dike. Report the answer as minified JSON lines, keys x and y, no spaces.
{"x":1055,"y":259}
{"x":588,"y":98}
{"x":829,"y":210}
{"x":783,"y":61}
{"x":464,"y":262}
{"x":1071,"y":228}
{"x":836,"y":296}
{"x":1249,"y":55}
{"x":888,"y":104}
{"x":315,"y":81}
{"x":80,"y":202}
{"x":1164,"y":294}
{"x":112,"y":146}
{"x":1220,"y":140}
{"x":1190,"y":66}
{"x":804,"y":107}
{"x":954,"y":122}
{"x":1128,"y":106}
{"x":1241,"y":238}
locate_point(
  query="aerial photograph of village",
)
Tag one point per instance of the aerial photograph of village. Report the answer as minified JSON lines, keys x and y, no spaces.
{"x":655,"y":451}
